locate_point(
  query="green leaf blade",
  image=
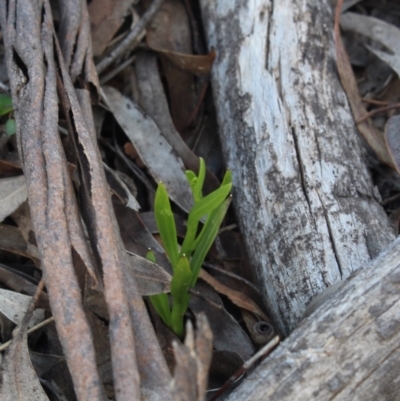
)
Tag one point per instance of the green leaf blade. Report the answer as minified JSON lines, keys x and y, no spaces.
{"x":161,"y":305}
{"x":208,"y":235}
{"x":210,"y":202}
{"x":166,"y":224}
{"x":5,"y":104}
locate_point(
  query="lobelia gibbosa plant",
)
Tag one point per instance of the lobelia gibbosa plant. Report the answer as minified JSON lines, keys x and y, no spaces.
{"x":207,"y":212}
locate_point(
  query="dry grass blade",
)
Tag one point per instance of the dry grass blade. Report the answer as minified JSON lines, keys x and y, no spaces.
{"x":392,"y":131}
{"x":370,"y":133}
{"x":18,"y":380}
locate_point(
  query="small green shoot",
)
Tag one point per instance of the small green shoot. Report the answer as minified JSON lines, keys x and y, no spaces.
{"x":6,"y":107}
{"x":207,"y":212}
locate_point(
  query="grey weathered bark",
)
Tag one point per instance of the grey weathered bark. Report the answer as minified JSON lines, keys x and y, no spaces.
{"x":303,"y":194}
{"x":348,"y":349}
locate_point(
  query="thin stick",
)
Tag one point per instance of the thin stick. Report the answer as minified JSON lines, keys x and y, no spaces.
{"x":264,"y":351}
{"x":126,"y":44}
{"x":377,"y":111}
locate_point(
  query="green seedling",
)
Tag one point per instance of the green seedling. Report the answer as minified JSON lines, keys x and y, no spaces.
{"x":203,"y":224}
{"x":6,"y":107}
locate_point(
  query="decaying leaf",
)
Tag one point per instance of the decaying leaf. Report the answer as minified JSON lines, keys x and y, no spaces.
{"x":239,"y":299}
{"x":371,"y":134}
{"x":379,"y":31}
{"x":228,"y":335}
{"x":13,"y":193}
{"x":170,"y":32}
{"x":154,"y":102}
{"x":18,"y":380}
{"x":152,"y":147}
{"x":14,"y":305}
{"x":192,"y":362}
{"x":11,"y":240}
{"x":151,"y":278}
{"x":106,"y":17}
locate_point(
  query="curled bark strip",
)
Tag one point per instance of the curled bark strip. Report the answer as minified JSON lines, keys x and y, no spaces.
{"x":75,"y":41}
{"x":29,"y":53}
{"x":154,"y":374}
{"x":104,"y":239}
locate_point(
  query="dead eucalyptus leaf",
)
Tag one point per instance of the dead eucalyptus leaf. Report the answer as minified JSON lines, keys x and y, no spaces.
{"x":193,"y":360}
{"x":228,"y":335}
{"x":193,"y":63}
{"x":11,"y":240}
{"x":239,"y":299}
{"x":106,"y":17}
{"x":152,"y":147}
{"x":13,"y":193}
{"x":119,"y":188}
{"x":370,"y":133}
{"x":18,"y":380}
{"x":14,"y":305}
{"x":379,"y":31}
{"x":151,"y":278}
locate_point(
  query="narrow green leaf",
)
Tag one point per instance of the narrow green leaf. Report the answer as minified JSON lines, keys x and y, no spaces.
{"x":179,"y":290}
{"x":181,"y":279}
{"x":227,"y":178}
{"x":166,"y":224}
{"x":210,"y":202}
{"x":10,"y":127}
{"x":198,"y":190}
{"x":161,"y":305}
{"x":208,"y":234}
{"x":192,"y":179}
{"x":5,"y":104}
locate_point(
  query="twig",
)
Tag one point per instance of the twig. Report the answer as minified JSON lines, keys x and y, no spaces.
{"x":264,"y":351}
{"x":125,"y":45}
{"x":31,"y":330}
{"x":377,"y":111}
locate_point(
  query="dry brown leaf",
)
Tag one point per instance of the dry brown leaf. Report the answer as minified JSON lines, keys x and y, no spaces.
{"x":195,"y":64}
{"x":380,"y":32}
{"x":106,"y":17}
{"x":170,"y":31}
{"x":151,"y":278}
{"x":239,"y":299}
{"x":11,"y":240}
{"x":13,"y":193}
{"x":22,"y":283}
{"x":228,"y":334}
{"x":18,"y":380}
{"x":152,"y":147}
{"x":154,"y":103}
{"x":14,"y":305}
{"x":193,"y":361}
{"x":370,"y":133}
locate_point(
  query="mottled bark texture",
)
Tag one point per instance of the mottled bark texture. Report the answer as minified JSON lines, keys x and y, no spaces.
{"x":302,"y":191}
{"x":348,"y":349}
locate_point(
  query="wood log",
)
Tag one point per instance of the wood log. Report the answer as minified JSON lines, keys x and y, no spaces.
{"x":303,"y":195}
{"x":348,"y":349}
